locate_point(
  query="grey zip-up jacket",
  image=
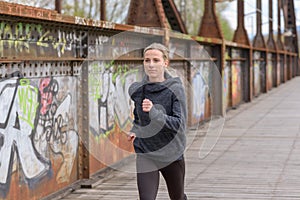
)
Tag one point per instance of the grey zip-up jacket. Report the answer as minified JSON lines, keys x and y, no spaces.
{"x":160,"y":133}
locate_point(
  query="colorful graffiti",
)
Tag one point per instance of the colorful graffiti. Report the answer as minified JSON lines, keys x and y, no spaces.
{"x":35,"y":39}
{"x":226,"y":86}
{"x":199,"y":90}
{"x":108,"y":85}
{"x":37,"y":122}
{"x":256,"y":73}
{"x":278,"y":75}
{"x":236,"y":82}
{"x":270,"y":71}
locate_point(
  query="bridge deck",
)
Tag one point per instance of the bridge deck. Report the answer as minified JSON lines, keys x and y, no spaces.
{"x":256,"y":155}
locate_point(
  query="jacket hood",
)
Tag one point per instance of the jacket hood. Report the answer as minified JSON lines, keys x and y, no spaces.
{"x":169,"y":82}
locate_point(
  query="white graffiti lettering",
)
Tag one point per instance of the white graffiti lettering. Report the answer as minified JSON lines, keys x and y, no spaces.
{"x":16,"y":129}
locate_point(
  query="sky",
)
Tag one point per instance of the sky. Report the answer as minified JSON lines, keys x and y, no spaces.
{"x":250,"y":17}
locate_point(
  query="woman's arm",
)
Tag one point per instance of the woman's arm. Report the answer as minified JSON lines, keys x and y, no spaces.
{"x":177,"y":121}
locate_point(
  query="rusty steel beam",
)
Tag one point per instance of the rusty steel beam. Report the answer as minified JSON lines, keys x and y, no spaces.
{"x":290,"y":41}
{"x":279,"y":35}
{"x":271,"y":42}
{"x":102,"y":10}
{"x":147,"y":13}
{"x":174,"y":16}
{"x":259,"y":41}
{"x":58,"y":6}
{"x":240,"y":34}
{"x":155,"y":13}
{"x":210,"y":26}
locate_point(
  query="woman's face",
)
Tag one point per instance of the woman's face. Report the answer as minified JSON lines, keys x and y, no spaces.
{"x":154,"y":65}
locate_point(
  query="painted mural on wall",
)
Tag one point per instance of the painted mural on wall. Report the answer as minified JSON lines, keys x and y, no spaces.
{"x":270,"y":71}
{"x":200,"y":89}
{"x":110,"y":110}
{"x":278,"y":72}
{"x":256,"y":74}
{"x":38,"y":133}
{"x":110,"y":102}
{"x":282,"y":71}
{"x":236,"y":82}
{"x":226,"y":86}
{"x":236,"y":77}
{"x":34,"y":39}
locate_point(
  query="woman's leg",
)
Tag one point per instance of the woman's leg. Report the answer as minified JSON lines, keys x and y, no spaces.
{"x":147,"y":178}
{"x":174,"y":176}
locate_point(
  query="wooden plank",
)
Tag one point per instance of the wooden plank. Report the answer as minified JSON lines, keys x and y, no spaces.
{"x":255,"y":157}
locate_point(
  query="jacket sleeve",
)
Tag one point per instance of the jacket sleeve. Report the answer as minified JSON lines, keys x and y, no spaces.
{"x":135,"y":126}
{"x":177,"y":121}
{"x":131,"y":91}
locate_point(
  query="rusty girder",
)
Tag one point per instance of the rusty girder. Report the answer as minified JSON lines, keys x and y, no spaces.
{"x":155,"y":13}
{"x":259,"y":41}
{"x":174,"y":16}
{"x":279,"y":35}
{"x":58,"y":6}
{"x":149,"y":13}
{"x":240,"y":34}
{"x":210,"y":26}
{"x":290,"y":41}
{"x":271,"y":42}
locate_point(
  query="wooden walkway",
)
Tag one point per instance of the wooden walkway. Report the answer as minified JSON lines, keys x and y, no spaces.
{"x":257,"y":155}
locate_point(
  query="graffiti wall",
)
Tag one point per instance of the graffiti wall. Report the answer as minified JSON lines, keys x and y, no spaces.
{"x":256,"y":74}
{"x":110,"y":109}
{"x":236,"y":81}
{"x":25,"y":39}
{"x":270,"y":71}
{"x":278,"y":69}
{"x":38,"y":135}
{"x":200,"y":88}
{"x":226,"y":86}
{"x":236,"y":78}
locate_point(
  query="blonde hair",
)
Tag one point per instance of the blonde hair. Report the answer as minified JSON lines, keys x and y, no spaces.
{"x":160,"y":47}
{"x":165,"y":51}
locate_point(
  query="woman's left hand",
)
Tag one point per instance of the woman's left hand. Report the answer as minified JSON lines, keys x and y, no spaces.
{"x":131,"y":136}
{"x":147,"y":105}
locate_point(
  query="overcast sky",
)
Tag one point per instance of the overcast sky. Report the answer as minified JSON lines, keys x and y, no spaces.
{"x":250,"y":18}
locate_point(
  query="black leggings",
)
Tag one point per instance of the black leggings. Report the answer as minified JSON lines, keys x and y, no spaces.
{"x":148,"y":178}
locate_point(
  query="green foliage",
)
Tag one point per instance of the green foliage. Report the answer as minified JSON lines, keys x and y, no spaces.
{"x":224,"y":23}
{"x":191,"y":13}
{"x":226,"y":29}
{"x":194,"y":10}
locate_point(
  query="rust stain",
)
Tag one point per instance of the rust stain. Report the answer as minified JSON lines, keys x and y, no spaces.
{"x":26,"y":11}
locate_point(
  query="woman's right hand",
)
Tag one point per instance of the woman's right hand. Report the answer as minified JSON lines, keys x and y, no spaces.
{"x":131,"y":136}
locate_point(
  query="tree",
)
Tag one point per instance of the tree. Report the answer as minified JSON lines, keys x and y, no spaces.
{"x":36,"y":3}
{"x":116,"y":9}
{"x":225,"y":24}
{"x":192,"y":12}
